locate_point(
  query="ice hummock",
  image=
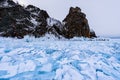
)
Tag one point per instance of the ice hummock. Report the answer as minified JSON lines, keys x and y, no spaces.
{"x":36,"y":59}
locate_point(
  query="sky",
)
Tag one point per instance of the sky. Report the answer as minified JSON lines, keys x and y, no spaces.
{"x":103,"y":15}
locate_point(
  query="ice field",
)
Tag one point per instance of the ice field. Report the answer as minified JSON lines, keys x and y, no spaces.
{"x":76,"y":59}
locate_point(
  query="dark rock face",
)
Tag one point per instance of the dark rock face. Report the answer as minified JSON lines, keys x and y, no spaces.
{"x":92,"y":34}
{"x":76,"y":24}
{"x":14,"y":21}
{"x":38,"y":18}
{"x":18,"y":21}
{"x":54,"y":27}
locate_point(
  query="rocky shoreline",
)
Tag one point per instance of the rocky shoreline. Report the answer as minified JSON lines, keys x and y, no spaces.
{"x":18,"y":21}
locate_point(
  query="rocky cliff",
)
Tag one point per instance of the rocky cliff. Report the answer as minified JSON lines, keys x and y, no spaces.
{"x":18,"y":21}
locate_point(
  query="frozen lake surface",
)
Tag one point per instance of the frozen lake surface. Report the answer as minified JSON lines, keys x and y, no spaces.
{"x":36,"y":59}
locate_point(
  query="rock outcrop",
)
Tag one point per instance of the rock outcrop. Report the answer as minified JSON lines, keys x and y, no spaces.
{"x":92,"y":34}
{"x":76,"y":24}
{"x":18,"y":21}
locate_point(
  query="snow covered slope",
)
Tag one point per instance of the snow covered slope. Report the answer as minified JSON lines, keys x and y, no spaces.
{"x":34,"y":59}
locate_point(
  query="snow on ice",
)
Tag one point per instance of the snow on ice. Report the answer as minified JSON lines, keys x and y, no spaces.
{"x":41,"y":59}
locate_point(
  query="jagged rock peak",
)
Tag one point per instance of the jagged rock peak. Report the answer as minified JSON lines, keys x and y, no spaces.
{"x":7,"y":3}
{"x":76,"y":9}
{"x":76,"y":24}
{"x":32,"y":8}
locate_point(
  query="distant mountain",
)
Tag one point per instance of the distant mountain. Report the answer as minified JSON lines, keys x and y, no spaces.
{"x":18,"y":21}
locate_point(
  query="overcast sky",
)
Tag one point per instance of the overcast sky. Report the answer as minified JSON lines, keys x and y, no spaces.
{"x":103,"y":15}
